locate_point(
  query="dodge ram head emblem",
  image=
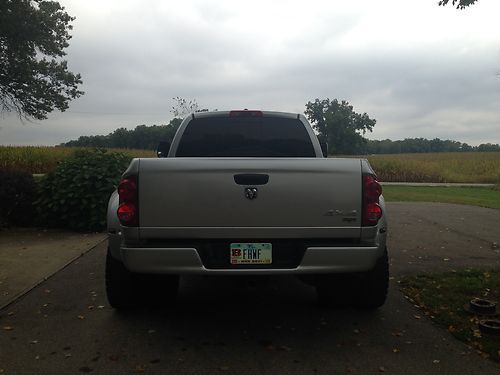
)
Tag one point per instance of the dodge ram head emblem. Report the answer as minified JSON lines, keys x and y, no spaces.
{"x":251,"y":193}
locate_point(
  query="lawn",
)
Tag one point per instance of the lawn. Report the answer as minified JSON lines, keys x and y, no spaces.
{"x":476,"y":196}
{"x":442,"y":298}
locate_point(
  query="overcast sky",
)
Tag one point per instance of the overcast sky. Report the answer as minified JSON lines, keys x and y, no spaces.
{"x":419,"y":69}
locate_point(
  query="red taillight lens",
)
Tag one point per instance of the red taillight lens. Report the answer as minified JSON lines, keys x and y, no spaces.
{"x":372,"y":191}
{"x":127,"y":189}
{"x":373,"y":213}
{"x":128,"y":212}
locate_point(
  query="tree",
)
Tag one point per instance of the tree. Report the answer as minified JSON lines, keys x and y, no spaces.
{"x":184,"y":107}
{"x":338,"y":124}
{"x":142,"y":137}
{"x":461,"y":4}
{"x":34,"y":79}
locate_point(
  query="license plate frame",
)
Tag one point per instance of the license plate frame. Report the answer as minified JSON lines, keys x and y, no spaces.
{"x":251,"y":253}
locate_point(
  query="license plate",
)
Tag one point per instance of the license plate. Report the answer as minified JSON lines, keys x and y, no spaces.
{"x":251,"y":253}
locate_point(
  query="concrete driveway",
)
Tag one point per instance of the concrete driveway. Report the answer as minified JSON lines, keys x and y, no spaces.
{"x":64,"y":326}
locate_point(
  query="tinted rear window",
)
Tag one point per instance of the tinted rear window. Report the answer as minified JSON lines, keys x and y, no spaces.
{"x":245,"y":137}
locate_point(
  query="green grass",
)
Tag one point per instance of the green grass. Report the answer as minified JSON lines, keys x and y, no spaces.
{"x":475,"y":196}
{"x":442,"y":298}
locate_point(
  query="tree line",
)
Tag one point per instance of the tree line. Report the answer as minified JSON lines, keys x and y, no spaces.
{"x":422,"y":145}
{"x":142,"y":137}
{"x":147,"y":138}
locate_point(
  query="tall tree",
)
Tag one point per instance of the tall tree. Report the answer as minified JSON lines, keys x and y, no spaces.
{"x":184,"y":107}
{"x":338,"y":124}
{"x":34,"y":78}
{"x":461,"y":4}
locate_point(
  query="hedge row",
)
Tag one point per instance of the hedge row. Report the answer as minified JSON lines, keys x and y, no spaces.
{"x":74,"y":196}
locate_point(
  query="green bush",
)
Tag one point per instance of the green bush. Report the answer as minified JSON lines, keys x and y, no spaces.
{"x":17,"y":193}
{"x":75,"y":195}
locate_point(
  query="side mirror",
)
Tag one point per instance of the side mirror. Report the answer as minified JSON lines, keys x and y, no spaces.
{"x":163,"y":148}
{"x":324,"y":148}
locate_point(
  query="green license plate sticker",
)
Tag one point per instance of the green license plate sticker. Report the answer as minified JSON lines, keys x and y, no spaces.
{"x":251,"y":253}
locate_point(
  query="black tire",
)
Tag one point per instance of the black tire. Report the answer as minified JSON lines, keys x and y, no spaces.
{"x":126,"y":290}
{"x":334,"y":290}
{"x":372,"y":286}
{"x":366,"y":290}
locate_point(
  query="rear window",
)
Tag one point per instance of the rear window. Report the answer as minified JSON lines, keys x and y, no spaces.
{"x":245,"y":137}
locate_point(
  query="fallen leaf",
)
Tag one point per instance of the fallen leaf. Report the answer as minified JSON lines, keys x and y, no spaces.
{"x":284,"y":348}
{"x":10,"y":313}
{"x":417,"y":316}
{"x":436,"y":361}
{"x":81,"y":317}
{"x":139,"y":369}
{"x":67,"y":355}
{"x":100,"y":307}
{"x":34,"y":342}
{"x":8,"y":328}
{"x":397,"y":334}
{"x":395,"y":350}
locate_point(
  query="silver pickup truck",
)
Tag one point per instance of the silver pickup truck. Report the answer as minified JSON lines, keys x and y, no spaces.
{"x":247,"y":193}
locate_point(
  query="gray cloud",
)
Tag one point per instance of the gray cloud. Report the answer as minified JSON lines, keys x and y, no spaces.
{"x":416,"y":81}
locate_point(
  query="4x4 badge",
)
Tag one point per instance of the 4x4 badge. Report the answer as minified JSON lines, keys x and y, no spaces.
{"x":251,"y":193}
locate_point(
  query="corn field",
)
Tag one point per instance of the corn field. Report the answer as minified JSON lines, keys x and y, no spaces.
{"x":43,"y":159}
{"x":467,"y":167}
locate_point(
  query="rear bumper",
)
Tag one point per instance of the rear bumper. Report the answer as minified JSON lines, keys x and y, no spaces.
{"x":185,"y":260}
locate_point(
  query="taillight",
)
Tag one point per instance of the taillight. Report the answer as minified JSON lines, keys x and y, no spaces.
{"x":128,"y":209}
{"x":372,"y":212}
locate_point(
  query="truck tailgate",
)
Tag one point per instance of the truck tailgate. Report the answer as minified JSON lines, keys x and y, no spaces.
{"x":202,"y":193}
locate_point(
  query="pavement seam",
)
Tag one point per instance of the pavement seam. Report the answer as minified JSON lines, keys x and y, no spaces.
{"x":21,"y":294}
{"x":464,"y":234}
